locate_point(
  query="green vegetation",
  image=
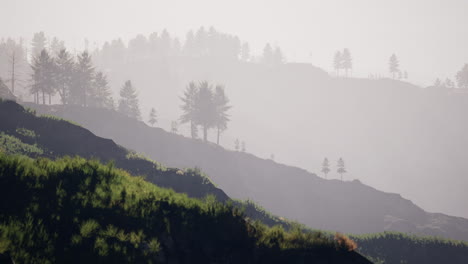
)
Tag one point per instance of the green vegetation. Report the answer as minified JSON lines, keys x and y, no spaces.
{"x":410,"y":249}
{"x":75,"y":211}
{"x":12,"y":145}
{"x":55,"y":138}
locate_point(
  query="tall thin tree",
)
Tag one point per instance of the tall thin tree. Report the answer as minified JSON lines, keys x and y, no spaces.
{"x":325,"y":167}
{"x":64,"y":74}
{"x":341,"y":169}
{"x":153,"y":118}
{"x":347,"y":62}
{"x":394,"y":65}
{"x":128,"y":104}
{"x":188,"y":108}
{"x":221,"y":103}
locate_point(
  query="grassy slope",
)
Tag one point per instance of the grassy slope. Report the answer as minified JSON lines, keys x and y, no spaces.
{"x":79,"y":211}
{"x":374,"y":246}
{"x":25,"y":133}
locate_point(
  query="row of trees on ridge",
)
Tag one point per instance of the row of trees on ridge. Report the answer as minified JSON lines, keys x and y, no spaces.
{"x":340,"y":167}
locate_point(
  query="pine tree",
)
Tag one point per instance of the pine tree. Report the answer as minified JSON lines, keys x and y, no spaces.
{"x":100,"y":95}
{"x":325,"y":167}
{"x":243,"y":146}
{"x":56,"y":46}
{"x":43,"y":79}
{"x":128,"y":103}
{"x":267,"y":57}
{"x":245,"y":52}
{"x":462,"y":77}
{"x":236,"y":144}
{"x":152,"y":117}
{"x":341,"y":168}
{"x":188,"y":108}
{"x":64,"y":74}
{"x":205,"y":111}
{"x":38,"y":44}
{"x":221,"y":102}
{"x":337,"y":62}
{"x":394,"y":65}
{"x":347,"y":63}
{"x":82,"y":80}
{"x":278,"y":57}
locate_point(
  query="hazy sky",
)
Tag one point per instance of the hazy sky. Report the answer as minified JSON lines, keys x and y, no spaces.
{"x":429,"y":36}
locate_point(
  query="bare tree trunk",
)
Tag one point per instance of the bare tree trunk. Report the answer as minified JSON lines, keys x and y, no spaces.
{"x":43,"y":97}
{"x":217,"y":139}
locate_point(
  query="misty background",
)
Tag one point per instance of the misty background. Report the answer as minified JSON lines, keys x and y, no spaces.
{"x":291,"y":111}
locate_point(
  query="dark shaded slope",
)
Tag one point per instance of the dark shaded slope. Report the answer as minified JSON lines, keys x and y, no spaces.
{"x":59,"y":138}
{"x":288,"y":191}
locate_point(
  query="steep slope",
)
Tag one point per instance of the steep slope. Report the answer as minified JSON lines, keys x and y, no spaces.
{"x":77,"y":211}
{"x":25,"y":141}
{"x":57,"y":138}
{"x":393,"y":135}
{"x":288,"y":191}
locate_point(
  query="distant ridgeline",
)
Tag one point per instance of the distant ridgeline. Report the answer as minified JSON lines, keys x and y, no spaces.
{"x":73,"y":210}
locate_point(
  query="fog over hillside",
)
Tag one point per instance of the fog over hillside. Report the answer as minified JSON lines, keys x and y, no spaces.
{"x":393,"y":132}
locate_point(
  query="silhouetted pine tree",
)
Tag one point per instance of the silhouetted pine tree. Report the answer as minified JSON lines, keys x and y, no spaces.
{"x":278,"y":57}
{"x":337,"y":62}
{"x":245,"y":52}
{"x":267,"y":57}
{"x":341,"y":167}
{"x":236,"y":144}
{"x":325,"y":167}
{"x":462,"y":77}
{"x":128,"y":103}
{"x":394,"y":65}
{"x":152,"y":117}
{"x":347,"y":63}
{"x":188,"y":108}
{"x":100,"y":94}
{"x":38,"y":44}
{"x":43,"y":79}
{"x":82,"y":79}
{"x":56,"y":46}
{"x":64,"y":74}
{"x":221,"y":102}
{"x":205,"y":110}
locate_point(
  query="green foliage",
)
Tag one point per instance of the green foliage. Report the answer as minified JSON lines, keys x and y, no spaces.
{"x":75,"y":211}
{"x":26,"y":132}
{"x":395,"y":247}
{"x":12,"y":145}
